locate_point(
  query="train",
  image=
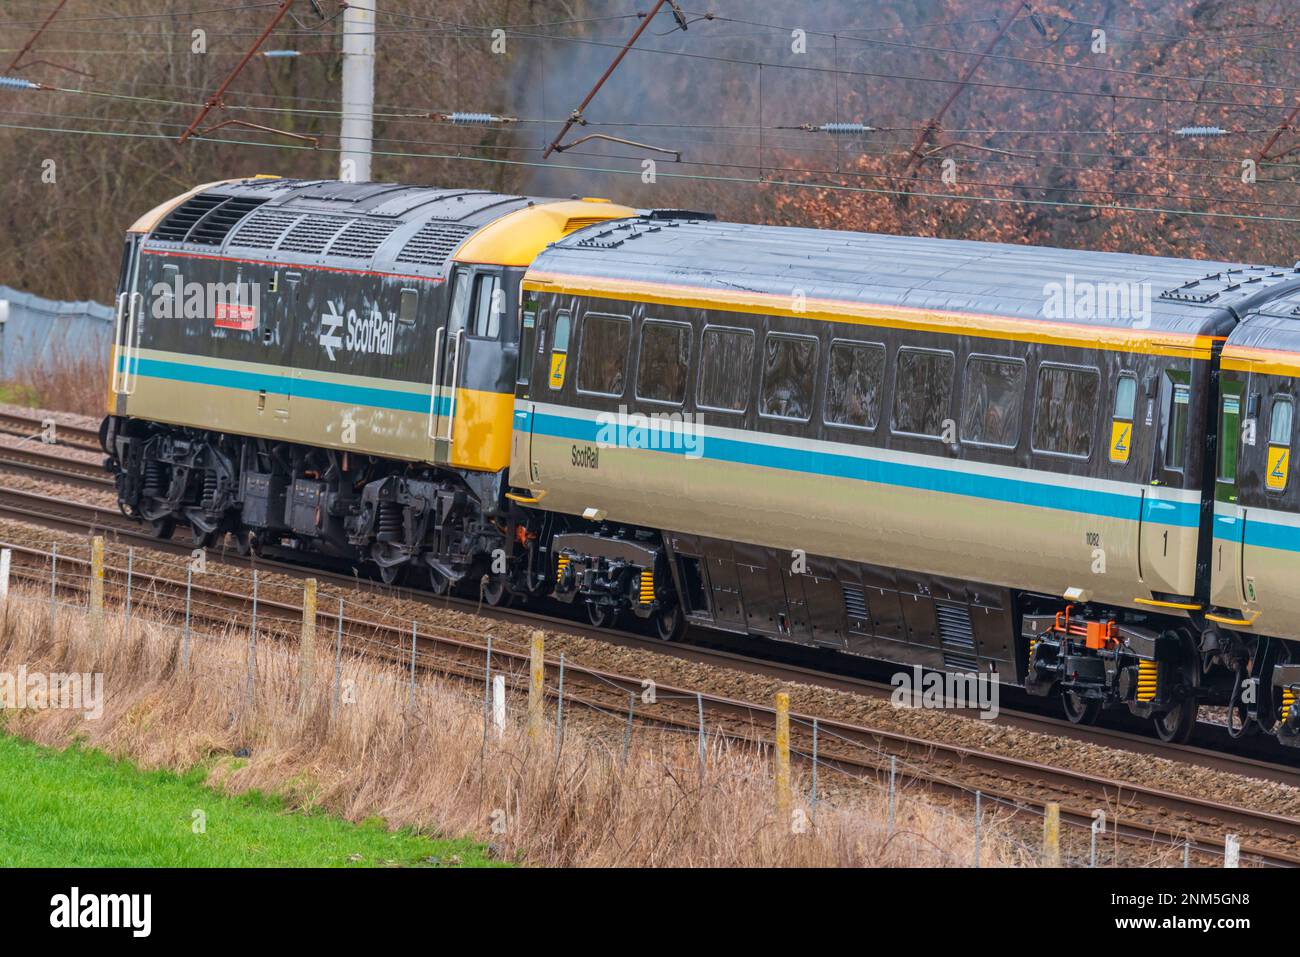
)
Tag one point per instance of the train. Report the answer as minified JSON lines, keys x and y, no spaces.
{"x":1066,"y":470}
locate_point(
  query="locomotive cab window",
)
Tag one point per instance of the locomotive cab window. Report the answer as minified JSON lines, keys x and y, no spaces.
{"x":726,"y":362}
{"x":1121,"y":419}
{"x":922,"y":390}
{"x":854,"y":383}
{"x":1065,"y":410}
{"x":602,"y":361}
{"x":489,"y":307}
{"x":789,"y":374}
{"x":994,"y":393}
{"x":1279,"y":444}
{"x":559,"y":350}
{"x":664,"y":361}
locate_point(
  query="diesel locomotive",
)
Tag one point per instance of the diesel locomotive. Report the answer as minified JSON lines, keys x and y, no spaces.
{"x":953,"y":454}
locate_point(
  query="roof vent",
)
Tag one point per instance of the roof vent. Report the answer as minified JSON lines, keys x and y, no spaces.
{"x":434,"y":243}
{"x":361,"y":239}
{"x":311,"y":234}
{"x":263,"y":229}
{"x":213,"y":228}
{"x":178,"y":223}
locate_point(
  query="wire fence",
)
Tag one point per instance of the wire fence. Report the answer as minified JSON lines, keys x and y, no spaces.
{"x":76,"y":576}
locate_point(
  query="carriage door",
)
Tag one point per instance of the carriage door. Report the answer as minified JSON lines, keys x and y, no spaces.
{"x":1163,"y":529}
{"x":531,"y":323}
{"x":126,"y":325}
{"x":468,"y":372}
{"x":1226,"y":589}
{"x":447,"y":342}
{"x":1266,"y":576}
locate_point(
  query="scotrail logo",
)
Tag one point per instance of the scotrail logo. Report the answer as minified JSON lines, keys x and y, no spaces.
{"x":660,"y":431}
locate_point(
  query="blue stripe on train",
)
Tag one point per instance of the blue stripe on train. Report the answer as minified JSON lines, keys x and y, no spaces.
{"x":280,"y":384}
{"x":1259,"y":533}
{"x":952,"y":482}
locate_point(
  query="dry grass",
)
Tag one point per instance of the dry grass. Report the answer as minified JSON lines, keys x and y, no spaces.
{"x":66,"y":383}
{"x":433,"y":768}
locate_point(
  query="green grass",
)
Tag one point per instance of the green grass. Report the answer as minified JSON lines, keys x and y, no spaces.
{"x":16,"y":394}
{"x":82,"y":808}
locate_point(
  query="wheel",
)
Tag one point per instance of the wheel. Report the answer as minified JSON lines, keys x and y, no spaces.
{"x":245,"y":544}
{"x":601,"y":616}
{"x":162,"y":527}
{"x":1079,"y":709}
{"x":1175,"y":726}
{"x":670,"y":623}
{"x":202,"y":539}
{"x":495,"y":592}
{"x":389,"y":574}
{"x":438,"y":582}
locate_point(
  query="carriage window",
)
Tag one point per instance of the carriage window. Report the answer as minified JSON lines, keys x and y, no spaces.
{"x":1229,"y":436}
{"x":991,"y":406}
{"x":1176,"y":436}
{"x":922,"y":389}
{"x":527,"y":332}
{"x":1279,"y":444}
{"x":789,"y":374}
{"x":406,"y":311}
{"x":854,"y":383}
{"x":489,"y":305}
{"x":1279,"y":428}
{"x":603,"y":361}
{"x":559,"y":350}
{"x":1121,"y":420}
{"x":1126,"y":390}
{"x":1065,"y":411}
{"x":664,"y":360}
{"x":726,"y":359}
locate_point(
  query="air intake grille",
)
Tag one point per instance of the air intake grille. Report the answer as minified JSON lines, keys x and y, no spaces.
{"x":213,"y":228}
{"x":434,"y":243}
{"x":361,"y":239}
{"x":855,"y":609}
{"x":178,"y":223}
{"x":956,"y":636}
{"x":263,"y":229}
{"x":312,"y":234}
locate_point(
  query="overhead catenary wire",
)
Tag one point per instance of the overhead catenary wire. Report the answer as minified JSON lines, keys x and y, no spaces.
{"x":667,"y":174}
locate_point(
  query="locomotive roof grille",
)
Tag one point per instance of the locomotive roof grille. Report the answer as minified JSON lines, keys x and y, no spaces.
{"x":361,"y":238}
{"x":434,"y":243}
{"x":213,"y":228}
{"x":312,"y":234}
{"x":263,"y":229}
{"x":181,"y":220}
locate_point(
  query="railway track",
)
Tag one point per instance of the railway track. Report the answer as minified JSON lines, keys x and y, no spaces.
{"x":31,"y":426}
{"x":705,"y":647}
{"x":47,"y":465}
{"x":1137,"y":813}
